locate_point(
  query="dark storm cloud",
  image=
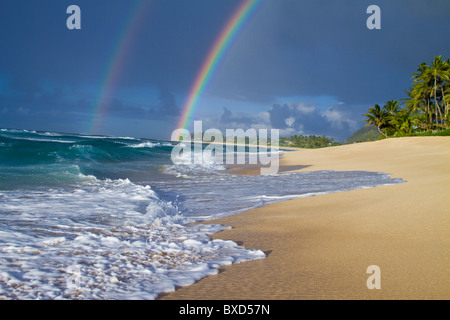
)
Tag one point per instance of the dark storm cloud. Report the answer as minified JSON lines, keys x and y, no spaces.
{"x":287,"y":49}
{"x":228,"y":117}
{"x":161,"y":47}
{"x":324,"y":48}
{"x":41,"y":106}
{"x":167,"y":105}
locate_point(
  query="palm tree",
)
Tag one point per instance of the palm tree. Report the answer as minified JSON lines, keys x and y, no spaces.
{"x":445,"y":88}
{"x":392,"y":107}
{"x":422,"y":94}
{"x":447,"y":99}
{"x":402,"y":122}
{"x":428,"y":80}
{"x":439,"y":72}
{"x":423,"y":88}
{"x":377,"y":117}
{"x":427,"y":105}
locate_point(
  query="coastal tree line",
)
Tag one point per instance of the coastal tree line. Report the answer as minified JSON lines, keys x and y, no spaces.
{"x":426,"y":107}
{"x":310,"y":141}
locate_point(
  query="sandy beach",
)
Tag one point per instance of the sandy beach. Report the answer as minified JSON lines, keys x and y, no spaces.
{"x":320,"y":247}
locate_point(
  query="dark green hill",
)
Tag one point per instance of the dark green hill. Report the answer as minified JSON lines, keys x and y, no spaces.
{"x":364,"y":134}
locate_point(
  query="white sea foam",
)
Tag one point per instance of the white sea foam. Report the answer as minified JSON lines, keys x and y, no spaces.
{"x":149,"y":144}
{"x":42,"y":140}
{"x":217,"y":194}
{"x":51,"y":134}
{"x":103,"y":137}
{"x":194,"y":163}
{"x":107,"y":239}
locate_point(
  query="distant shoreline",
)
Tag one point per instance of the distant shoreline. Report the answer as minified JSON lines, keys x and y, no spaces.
{"x":237,"y":144}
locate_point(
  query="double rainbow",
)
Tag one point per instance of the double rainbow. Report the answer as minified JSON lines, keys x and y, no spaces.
{"x":128,"y":35}
{"x":216,"y":53}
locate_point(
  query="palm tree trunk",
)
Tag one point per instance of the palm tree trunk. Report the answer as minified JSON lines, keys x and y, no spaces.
{"x":429,"y":113}
{"x":445,"y":105}
{"x":438,"y":107}
{"x":379,"y":130}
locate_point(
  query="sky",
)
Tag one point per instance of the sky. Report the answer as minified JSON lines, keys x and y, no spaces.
{"x":300,"y":66}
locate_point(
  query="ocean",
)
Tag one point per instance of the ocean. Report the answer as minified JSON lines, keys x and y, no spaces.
{"x":99,"y":217}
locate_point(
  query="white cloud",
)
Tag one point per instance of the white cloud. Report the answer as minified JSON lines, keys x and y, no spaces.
{"x":339,"y":119}
{"x":290,"y":121}
{"x":289,"y":132}
{"x":306,"y":109}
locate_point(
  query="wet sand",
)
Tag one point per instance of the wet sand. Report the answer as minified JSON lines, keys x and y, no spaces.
{"x":320,"y":247}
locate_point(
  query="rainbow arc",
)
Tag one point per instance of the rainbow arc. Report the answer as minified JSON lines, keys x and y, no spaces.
{"x":240,"y":16}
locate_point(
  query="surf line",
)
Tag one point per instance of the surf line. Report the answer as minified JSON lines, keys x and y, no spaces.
{"x":222,"y":43}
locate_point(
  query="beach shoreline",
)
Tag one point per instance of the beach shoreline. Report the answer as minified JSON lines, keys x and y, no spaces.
{"x":320,"y":247}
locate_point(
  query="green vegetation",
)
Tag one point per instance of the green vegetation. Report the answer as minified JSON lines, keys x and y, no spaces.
{"x":425,"y":111}
{"x":307,"y":141}
{"x":441,"y":133}
{"x":367,"y":133}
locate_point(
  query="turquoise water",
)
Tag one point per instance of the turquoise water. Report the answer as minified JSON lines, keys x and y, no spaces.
{"x":47,"y":158}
